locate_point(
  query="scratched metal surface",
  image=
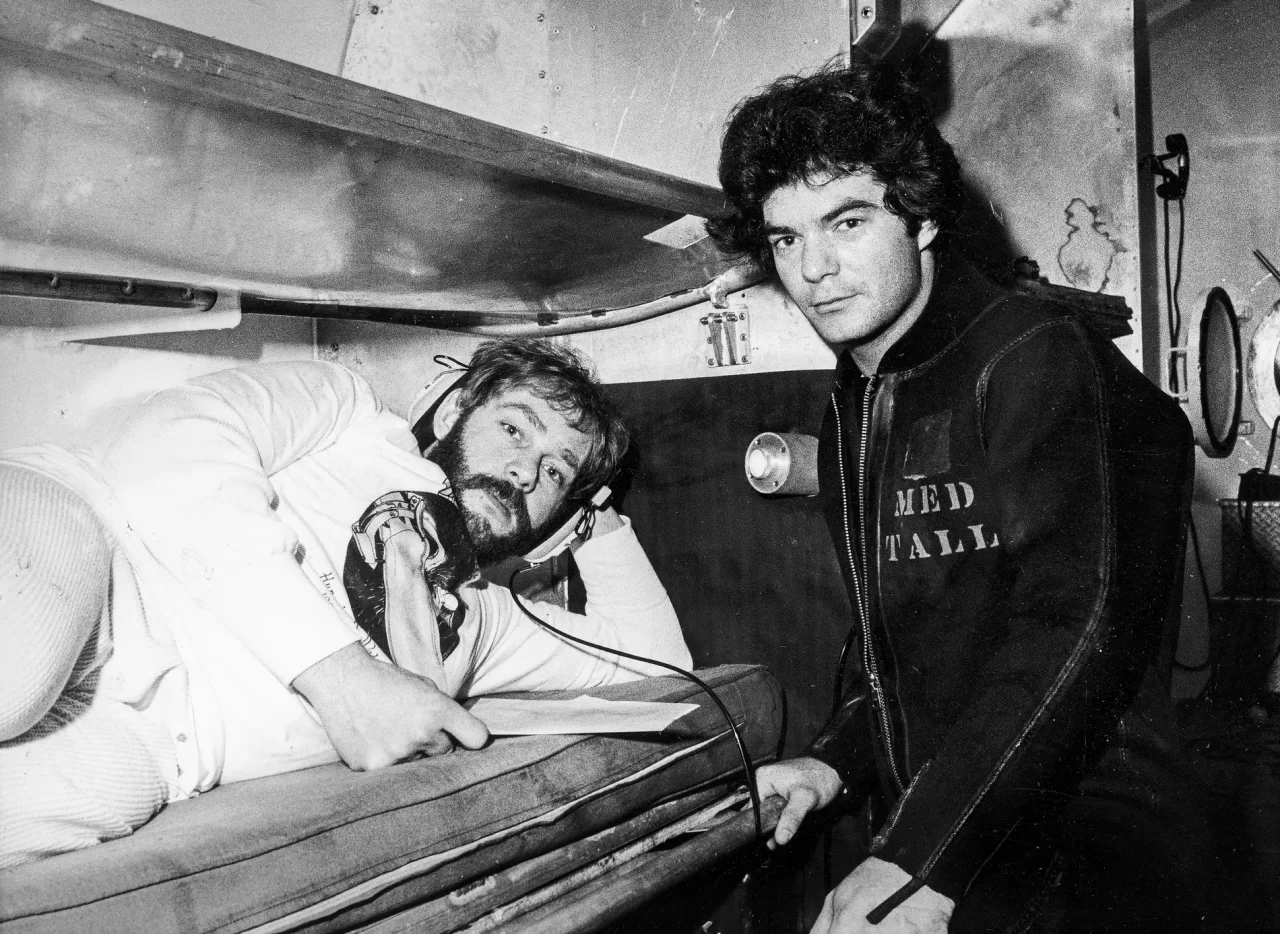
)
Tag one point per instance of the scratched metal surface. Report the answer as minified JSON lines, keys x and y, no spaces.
{"x":1042,"y":115}
{"x":138,"y":179}
{"x":645,"y":81}
{"x":1037,"y":97}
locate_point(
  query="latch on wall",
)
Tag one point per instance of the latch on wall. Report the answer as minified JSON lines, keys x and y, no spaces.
{"x":729,"y":337}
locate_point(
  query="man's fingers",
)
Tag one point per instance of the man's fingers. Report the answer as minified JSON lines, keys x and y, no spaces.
{"x":438,"y":745}
{"x":825,"y":917}
{"x":467,"y":729}
{"x":798,"y":806}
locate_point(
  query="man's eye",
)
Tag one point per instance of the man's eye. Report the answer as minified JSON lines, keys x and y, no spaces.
{"x":511,"y":429}
{"x":783,"y":243}
{"x":849,"y":223}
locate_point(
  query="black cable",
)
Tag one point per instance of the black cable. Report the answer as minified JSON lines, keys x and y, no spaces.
{"x":1175,"y":327}
{"x":747,"y":771}
{"x":1174,"y":307}
{"x":1204,"y":587}
{"x":1177,"y":279}
{"x":838,"y":693}
{"x":1173,"y":311}
{"x":1271,"y":448}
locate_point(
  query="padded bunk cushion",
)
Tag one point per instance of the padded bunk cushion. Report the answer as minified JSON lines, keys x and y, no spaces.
{"x":326,"y":849}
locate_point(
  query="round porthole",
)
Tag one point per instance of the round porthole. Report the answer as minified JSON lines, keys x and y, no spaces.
{"x":1215,"y":375}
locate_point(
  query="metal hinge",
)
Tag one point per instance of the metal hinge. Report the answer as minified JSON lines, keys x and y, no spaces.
{"x":874,"y":26}
{"x":729,"y":336}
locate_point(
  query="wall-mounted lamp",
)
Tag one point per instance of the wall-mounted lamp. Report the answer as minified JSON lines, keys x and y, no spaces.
{"x":783,"y":464}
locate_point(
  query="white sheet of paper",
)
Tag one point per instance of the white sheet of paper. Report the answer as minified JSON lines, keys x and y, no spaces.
{"x":517,"y":717}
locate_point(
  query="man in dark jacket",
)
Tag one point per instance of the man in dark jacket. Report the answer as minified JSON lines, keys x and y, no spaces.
{"x":1007,"y":495}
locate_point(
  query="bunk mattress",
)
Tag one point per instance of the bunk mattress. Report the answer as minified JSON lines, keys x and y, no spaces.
{"x":327,"y":849}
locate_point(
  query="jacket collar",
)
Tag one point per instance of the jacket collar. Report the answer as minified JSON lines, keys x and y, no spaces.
{"x":960,"y":294}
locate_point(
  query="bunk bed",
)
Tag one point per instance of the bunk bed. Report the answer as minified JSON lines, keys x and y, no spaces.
{"x":500,"y":836}
{"x":394,"y":200}
{"x":140,"y":152}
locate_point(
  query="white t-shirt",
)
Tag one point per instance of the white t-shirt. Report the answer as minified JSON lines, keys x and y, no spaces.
{"x":231,"y":499}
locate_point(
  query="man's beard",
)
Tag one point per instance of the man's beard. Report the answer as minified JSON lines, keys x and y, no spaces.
{"x":490,"y":546}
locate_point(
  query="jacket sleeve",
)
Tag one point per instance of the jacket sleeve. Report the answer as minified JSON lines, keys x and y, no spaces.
{"x":1081,"y":613}
{"x":627,"y":608}
{"x":845,"y":743}
{"x":192,"y":477}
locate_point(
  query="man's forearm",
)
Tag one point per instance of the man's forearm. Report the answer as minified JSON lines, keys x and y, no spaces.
{"x":377,"y":714}
{"x":627,"y":609}
{"x":627,"y":606}
{"x":191,"y":476}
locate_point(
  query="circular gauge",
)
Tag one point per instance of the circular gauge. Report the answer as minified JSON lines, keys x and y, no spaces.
{"x":1215,"y":376}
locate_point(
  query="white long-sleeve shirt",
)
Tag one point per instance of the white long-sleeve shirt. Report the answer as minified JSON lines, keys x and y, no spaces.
{"x":231,"y":499}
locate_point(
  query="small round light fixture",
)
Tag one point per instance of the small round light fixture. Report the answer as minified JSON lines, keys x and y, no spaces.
{"x":783,"y":464}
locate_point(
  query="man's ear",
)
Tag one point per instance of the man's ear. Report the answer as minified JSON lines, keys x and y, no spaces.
{"x":925,"y":236}
{"x":447,"y":413}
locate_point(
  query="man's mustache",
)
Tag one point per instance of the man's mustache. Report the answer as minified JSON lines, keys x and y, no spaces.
{"x":504,"y":491}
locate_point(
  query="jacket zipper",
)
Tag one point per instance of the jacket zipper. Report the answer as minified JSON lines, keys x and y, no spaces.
{"x":859,"y":569}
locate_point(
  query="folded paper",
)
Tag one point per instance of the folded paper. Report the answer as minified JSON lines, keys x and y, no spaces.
{"x":519,"y":717}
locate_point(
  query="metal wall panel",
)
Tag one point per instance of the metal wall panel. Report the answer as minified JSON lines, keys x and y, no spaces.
{"x":308,"y":32}
{"x":1042,"y":115}
{"x":645,"y":81}
{"x":1214,"y":80}
{"x":1039,"y":100}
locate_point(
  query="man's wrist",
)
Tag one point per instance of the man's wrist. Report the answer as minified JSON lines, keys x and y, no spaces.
{"x":908,"y":891}
{"x":607,"y":520}
{"x":313,"y":679}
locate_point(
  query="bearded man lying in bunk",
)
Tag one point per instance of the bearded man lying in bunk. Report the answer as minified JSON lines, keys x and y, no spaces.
{"x":217,"y":594}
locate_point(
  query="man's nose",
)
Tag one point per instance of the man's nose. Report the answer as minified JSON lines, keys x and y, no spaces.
{"x":523,"y":472}
{"x":817,"y":259}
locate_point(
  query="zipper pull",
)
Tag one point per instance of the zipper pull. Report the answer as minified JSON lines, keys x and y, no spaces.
{"x":877,"y":693}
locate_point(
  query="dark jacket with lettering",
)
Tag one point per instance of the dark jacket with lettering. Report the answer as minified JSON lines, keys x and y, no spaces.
{"x":1007,"y":496}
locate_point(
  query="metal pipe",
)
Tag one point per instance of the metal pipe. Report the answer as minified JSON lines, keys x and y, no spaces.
{"x":224,"y":314}
{"x":518,"y":324}
{"x":155,"y":294}
{"x":30,"y":283}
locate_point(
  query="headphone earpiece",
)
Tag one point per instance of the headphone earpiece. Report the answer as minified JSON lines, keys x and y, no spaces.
{"x":422,"y":412}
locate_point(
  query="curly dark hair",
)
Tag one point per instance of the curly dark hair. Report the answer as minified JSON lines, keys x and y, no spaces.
{"x":838,"y":121}
{"x":565,"y":380}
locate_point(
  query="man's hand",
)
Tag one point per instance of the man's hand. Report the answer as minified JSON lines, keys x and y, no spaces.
{"x":870,"y":883}
{"x":606,"y":520}
{"x":806,"y":784}
{"x":377,"y":714}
